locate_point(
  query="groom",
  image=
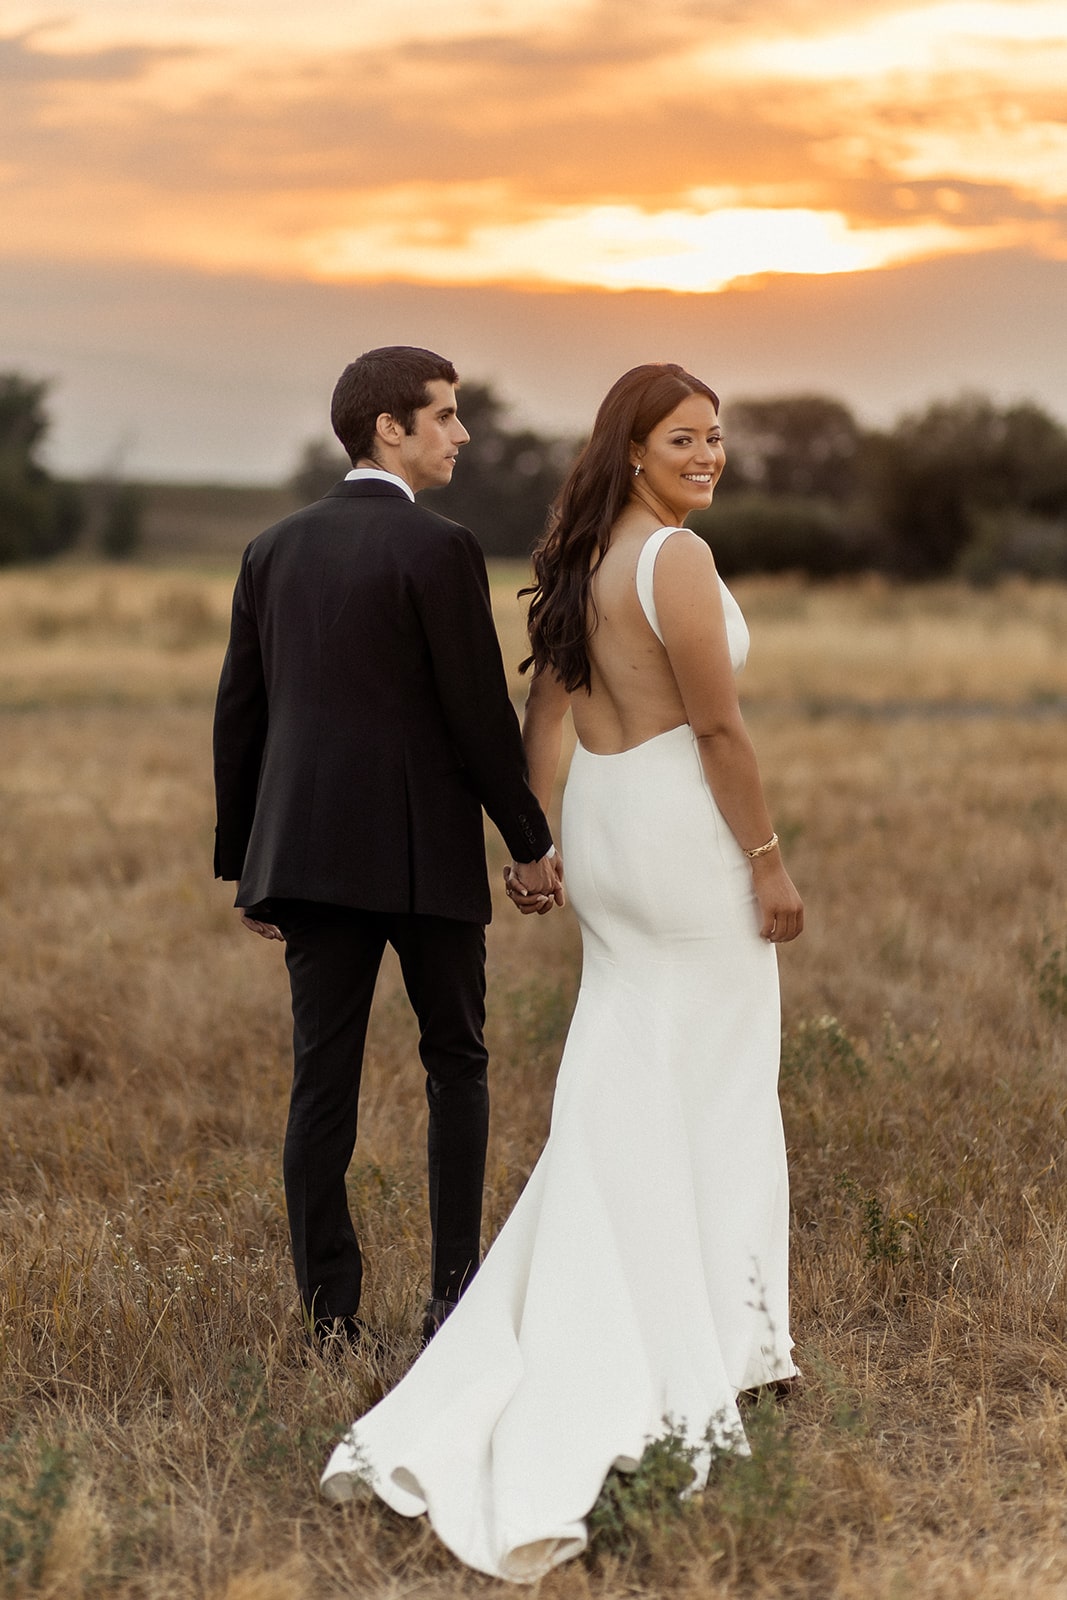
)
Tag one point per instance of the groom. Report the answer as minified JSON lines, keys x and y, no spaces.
{"x":362,"y":723}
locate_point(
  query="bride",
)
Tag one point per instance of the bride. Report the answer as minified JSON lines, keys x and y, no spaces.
{"x":640,"y":1282}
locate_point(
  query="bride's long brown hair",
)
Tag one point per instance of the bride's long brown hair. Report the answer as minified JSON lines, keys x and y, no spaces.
{"x":582,"y":515}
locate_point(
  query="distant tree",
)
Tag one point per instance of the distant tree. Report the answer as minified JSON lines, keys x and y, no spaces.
{"x":805,"y":444}
{"x":943,"y":478}
{"x":322,"y":464}
{"x":23,"y":420}
{"x":502,"y":485}
{"x":504,"y":480}
{"x":122,"y":521}
{"x":39,"y":516}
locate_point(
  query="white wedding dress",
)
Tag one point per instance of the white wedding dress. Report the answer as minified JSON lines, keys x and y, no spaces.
{"x":642,"y":1274}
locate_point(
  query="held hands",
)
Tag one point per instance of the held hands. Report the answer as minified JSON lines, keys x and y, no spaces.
{"x":781,"y":908}
{"x":535,"y":886}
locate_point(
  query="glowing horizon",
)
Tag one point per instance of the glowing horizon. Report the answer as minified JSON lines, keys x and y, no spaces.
{"x":622,"y":248}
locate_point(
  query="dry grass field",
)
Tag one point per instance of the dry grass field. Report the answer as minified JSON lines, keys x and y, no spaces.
{"x":161,"y":1423}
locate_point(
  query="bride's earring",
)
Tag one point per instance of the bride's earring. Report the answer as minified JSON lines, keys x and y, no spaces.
{"x":637,"y":469}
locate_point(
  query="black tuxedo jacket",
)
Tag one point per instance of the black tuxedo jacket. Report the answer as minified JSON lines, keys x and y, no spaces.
{"x":363,"y":717}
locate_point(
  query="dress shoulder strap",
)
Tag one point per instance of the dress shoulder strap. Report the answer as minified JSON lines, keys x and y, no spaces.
{"x":646,"y":566}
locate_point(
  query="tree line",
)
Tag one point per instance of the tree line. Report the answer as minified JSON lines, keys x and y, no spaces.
{"x":965,"y":487}
{"x":962,"y":488}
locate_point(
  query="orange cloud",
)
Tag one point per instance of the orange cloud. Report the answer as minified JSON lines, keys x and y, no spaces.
{"x":607,"y":144}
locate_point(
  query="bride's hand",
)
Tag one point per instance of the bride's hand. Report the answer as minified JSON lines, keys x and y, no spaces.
{"x":533,"y":901}
{"x":781,"y":908}
{"x":266,"y":930}
{"x":528,"y":902}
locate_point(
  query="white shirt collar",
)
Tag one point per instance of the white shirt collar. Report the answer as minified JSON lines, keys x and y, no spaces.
{"x":361,"y":473}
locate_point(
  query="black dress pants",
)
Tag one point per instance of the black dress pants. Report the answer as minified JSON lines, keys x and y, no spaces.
{"x":333,"y":954}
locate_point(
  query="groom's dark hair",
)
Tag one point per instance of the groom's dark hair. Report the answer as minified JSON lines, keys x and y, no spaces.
{"x":391,"y":379}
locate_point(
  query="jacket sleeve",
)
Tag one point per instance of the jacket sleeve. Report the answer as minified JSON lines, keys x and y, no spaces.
{"x":240,"y":732}
{"x":452,"y":598}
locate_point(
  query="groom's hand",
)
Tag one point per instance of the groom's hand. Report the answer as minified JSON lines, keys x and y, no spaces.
{"x":529,"y":902}
{"x":534,"y":887}
{"x":266,"y":930}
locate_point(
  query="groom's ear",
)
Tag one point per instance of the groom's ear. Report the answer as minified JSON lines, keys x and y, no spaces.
{"x":388,"y":428}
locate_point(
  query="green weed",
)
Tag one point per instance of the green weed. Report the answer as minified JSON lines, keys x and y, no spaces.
{"x":889,"y":1236}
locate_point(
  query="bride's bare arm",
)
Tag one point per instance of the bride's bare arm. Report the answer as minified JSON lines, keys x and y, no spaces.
{"x":694,"y":632}
{"x":542,"y":733}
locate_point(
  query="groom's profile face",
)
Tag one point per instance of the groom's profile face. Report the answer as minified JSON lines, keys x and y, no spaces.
{"x":428,"y":453}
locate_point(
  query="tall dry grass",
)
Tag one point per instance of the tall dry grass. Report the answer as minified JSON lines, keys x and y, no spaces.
{"x":161,"y":1423}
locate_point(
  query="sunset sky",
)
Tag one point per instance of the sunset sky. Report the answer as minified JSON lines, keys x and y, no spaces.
{"x":209,"y":207}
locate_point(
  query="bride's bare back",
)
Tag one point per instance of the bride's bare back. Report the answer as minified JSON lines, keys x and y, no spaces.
{"x":633,"y":695}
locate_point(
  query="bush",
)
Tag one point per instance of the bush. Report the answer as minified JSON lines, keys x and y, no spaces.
{"x":1030,"y":546}
{"x":754,"y":532}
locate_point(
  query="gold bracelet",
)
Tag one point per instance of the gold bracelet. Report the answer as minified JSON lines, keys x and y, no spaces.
{"x":763,"y":849}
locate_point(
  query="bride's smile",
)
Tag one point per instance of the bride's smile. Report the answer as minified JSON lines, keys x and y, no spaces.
{"x":679,"y":464}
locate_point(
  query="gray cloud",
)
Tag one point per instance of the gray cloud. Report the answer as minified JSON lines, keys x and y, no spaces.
{"x":23,"y":63}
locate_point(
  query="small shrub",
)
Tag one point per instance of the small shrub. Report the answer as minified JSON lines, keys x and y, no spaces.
{"x":760,"y":1496}
{"x":633,"y":1506}
{"x":751,"y":1499}
{"x":30,"y":1508}
{"x":1050,"y":974}
{"x":821,"y":1045}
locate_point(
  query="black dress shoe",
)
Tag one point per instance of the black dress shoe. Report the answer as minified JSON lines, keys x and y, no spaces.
{"x":437,"y":1309}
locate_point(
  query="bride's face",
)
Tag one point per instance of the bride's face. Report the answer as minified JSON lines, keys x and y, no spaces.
{"x":682,"y":458}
